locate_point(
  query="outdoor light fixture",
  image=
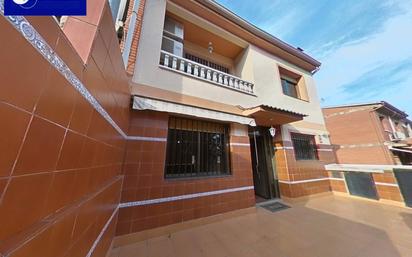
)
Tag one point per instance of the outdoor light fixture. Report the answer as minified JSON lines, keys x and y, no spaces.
{"x":210,"y":48}
{"x":272,"y":131}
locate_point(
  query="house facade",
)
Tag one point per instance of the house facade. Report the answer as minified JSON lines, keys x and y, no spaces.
{"x":223,"y":114}
{"x":144,"y":114}
{"x":373,"y":149}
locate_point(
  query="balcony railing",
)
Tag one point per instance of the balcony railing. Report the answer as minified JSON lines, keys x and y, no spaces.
{"x":193,"y":69}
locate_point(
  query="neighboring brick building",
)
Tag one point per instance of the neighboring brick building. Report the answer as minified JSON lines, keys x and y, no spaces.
{"x":373,"y":148}
{"x":372,"y":133}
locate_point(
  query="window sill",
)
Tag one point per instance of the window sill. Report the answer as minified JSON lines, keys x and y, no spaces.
{"x":196,"y":178}
{"x":296,"y":98}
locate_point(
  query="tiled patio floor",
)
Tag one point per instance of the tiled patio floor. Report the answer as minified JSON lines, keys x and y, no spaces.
{"x":325,"y":226}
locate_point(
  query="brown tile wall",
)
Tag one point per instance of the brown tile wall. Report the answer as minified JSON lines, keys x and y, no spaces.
{"x":144,"y":179}
{"x":338,"y":186}
{"x":289,"y":169}
{"x":304,"y":189}
{"x":61,"y":161}
{"x":387,"y":192}
{"x":384,"y":191}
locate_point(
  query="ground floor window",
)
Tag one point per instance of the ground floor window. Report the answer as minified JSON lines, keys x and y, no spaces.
{"x":304,"y":146}
{"x":196,"y":148}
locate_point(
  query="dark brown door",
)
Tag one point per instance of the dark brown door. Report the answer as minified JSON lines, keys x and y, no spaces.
{"x":261,"y":148}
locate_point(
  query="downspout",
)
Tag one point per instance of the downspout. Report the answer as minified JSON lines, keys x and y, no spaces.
{"x":130,"y":33}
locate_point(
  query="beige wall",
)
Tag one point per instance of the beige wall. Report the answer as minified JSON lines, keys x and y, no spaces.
{"x":253,"y":64}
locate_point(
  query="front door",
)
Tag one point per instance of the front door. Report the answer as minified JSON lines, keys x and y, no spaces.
{"x":261,"y":148}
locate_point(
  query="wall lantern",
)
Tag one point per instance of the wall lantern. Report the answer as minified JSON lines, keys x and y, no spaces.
{"x":272,"y":131}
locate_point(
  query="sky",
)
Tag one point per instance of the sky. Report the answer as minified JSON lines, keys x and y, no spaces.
{"x":365,"y":46}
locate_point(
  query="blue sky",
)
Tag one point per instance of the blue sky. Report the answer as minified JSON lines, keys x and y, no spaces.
{"x":365,"y":46}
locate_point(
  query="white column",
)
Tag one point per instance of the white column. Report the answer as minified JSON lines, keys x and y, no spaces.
{"x":225,"y":80}
{"x":220,"y":79}
{"x":231,"y":82}
{"x":214,"y":76}
{"x":166,"y":60}
{"x":208,"y":75}
{"x":196,"y":70}
{"x":174,"y":63}
{"x":189,"y":68}
{"x":182,"y":65}
{"x":241,"y":86}
{"x":202,"y":72}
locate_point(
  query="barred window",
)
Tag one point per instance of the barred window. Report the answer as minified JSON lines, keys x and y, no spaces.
{"x":196,"y":148}
{"x":304,"y":146}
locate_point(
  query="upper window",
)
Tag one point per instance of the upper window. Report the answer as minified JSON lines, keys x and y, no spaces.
{"x":196,"y":149}
{"x":289,"y":87}
{"x":293,"y":84}
{"x":304,"y":146}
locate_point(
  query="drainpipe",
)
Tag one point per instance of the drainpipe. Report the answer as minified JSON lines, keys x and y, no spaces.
{"x":130,"y":33}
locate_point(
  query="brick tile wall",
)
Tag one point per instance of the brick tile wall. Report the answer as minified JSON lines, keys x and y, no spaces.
{"x":63,"y":160}
{"x":144,"y":179}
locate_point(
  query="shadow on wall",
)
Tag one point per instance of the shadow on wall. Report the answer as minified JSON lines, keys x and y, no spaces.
{"x":407,"y":218}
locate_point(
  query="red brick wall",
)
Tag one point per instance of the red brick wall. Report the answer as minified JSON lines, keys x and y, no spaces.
{"x":144,"y":179}
{"x":357,"y":135}
{"x":61,"y":160}
{"x":136,"y":35}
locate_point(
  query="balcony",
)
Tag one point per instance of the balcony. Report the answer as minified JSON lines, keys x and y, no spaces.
{"x":196,"y":70}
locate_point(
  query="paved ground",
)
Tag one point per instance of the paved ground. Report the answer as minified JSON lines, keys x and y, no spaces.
{"x":326,"y":226}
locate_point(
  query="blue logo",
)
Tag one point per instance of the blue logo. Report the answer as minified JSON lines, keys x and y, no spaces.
{"x":45,"y":7}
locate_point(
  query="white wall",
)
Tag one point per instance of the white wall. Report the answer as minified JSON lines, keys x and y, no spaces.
{"x":254,"y":65}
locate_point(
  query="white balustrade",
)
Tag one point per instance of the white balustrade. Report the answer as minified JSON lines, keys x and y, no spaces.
{"x":202,"y":72}
{"x":182,"y":65}
{"x":220,"y":79}
{"x":208,"y":76}
{"x":189,"y":68}
{"x":194,"y":69}
{"x":174,"y":63}
{"x":214,"y":76}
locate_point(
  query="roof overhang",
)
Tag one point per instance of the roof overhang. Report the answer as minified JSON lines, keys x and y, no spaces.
{"x":229,"y":21}
{"x":270,"y":116}
{"x":144,"y":103}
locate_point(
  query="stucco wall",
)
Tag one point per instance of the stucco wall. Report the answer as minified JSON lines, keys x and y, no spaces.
{"x":254,"y":65}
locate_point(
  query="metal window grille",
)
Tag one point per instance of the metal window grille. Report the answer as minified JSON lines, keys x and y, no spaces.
{"x":304,"y":146}
{"x":196,"y":148}
{"x":289,"y":88}
{"x":207,"y":63}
